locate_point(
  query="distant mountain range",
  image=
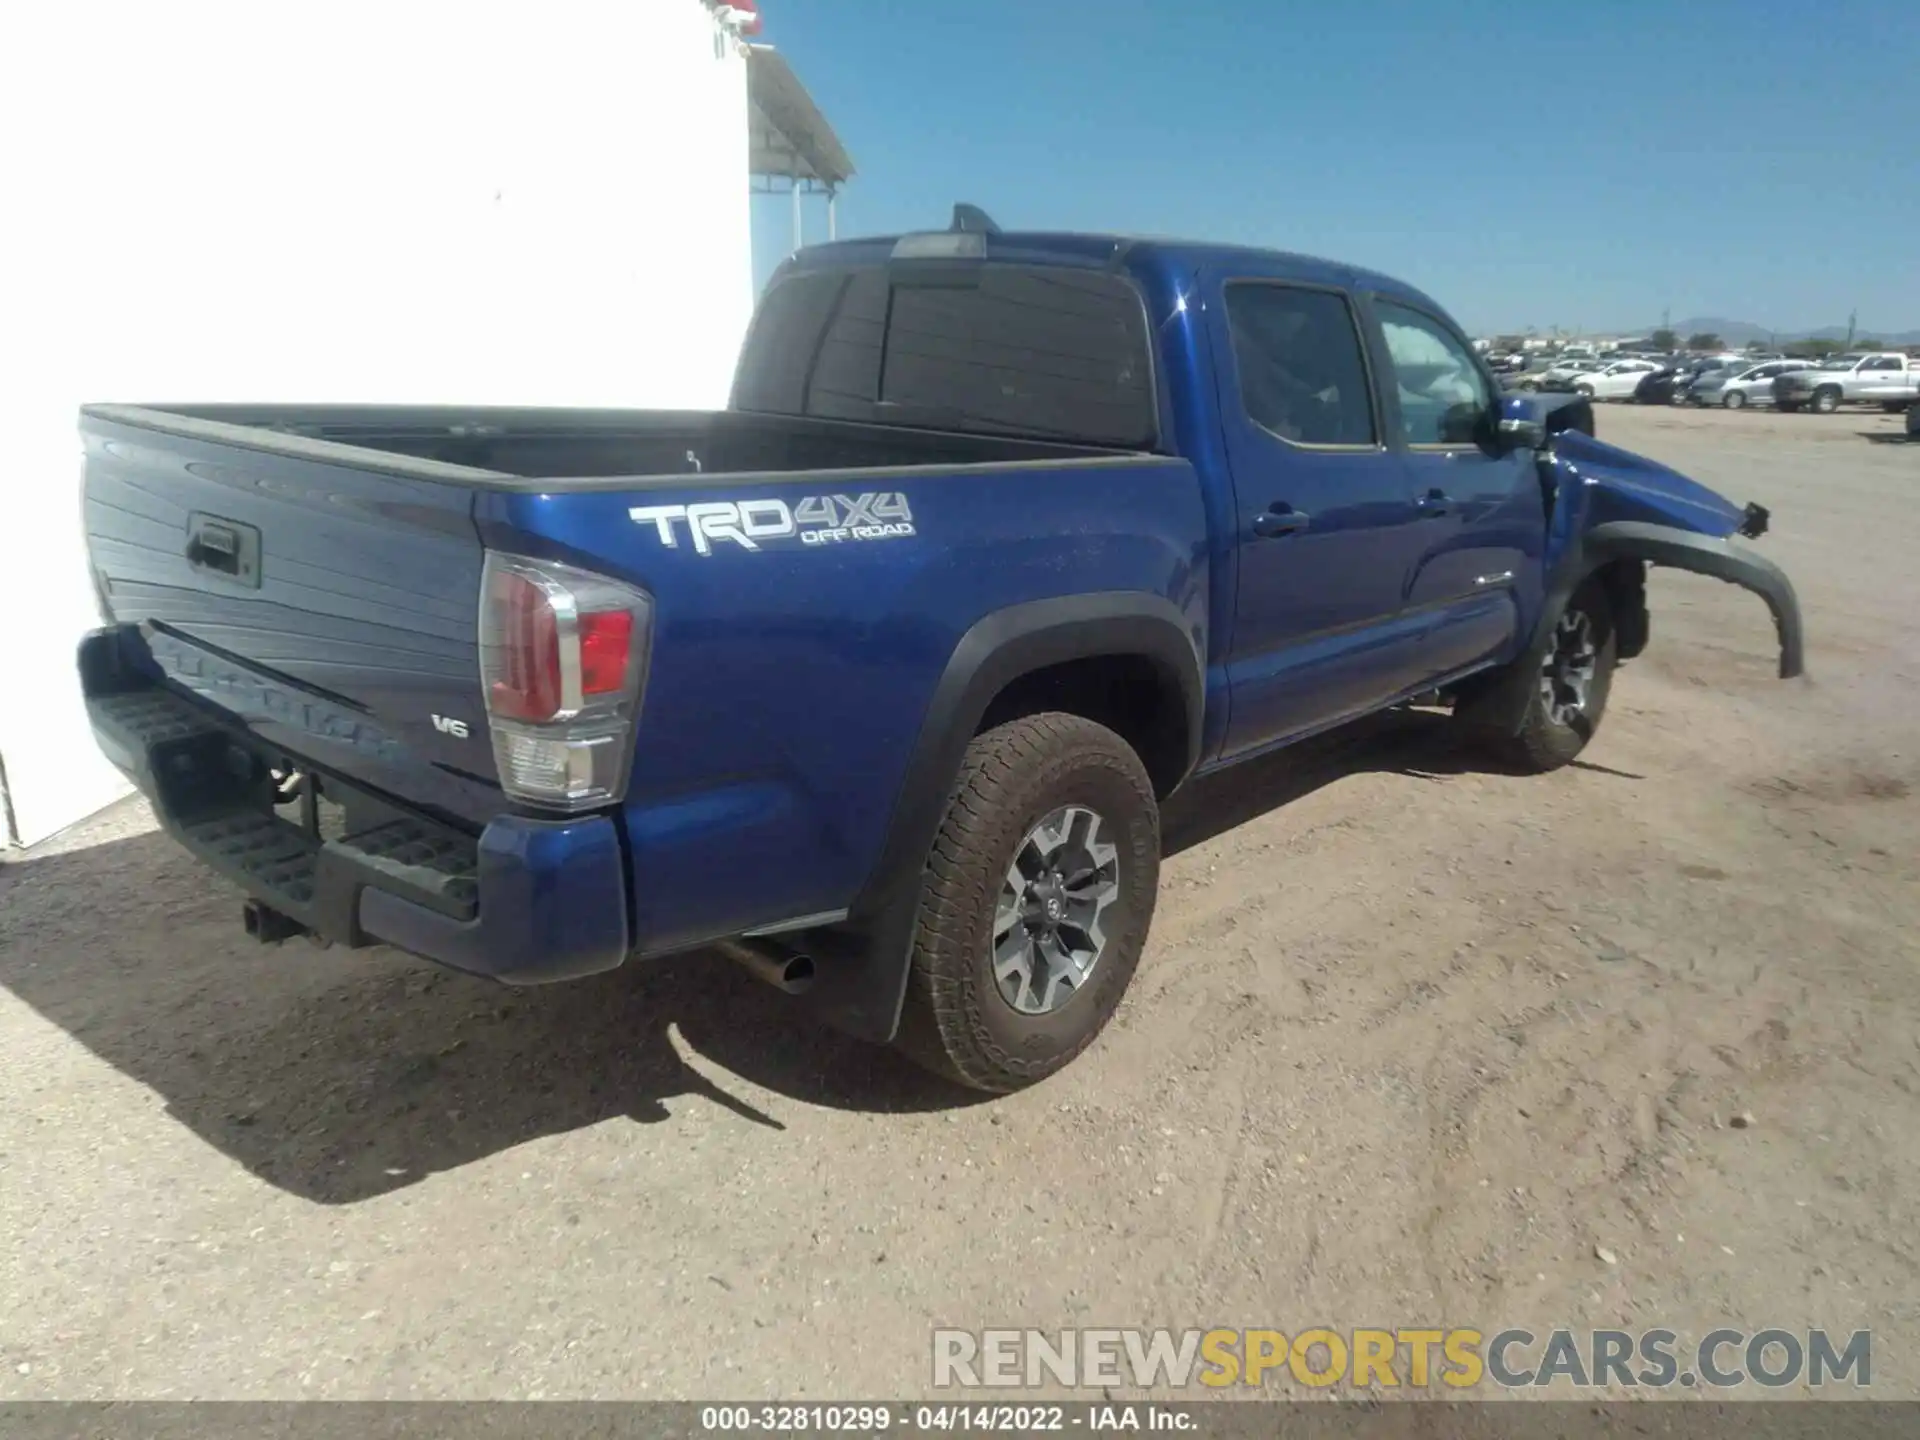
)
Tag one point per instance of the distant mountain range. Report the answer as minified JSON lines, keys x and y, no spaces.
{"x":1739,"y":332}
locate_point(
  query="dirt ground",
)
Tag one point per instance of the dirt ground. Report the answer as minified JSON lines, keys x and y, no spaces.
{"x":1411,"y":1043}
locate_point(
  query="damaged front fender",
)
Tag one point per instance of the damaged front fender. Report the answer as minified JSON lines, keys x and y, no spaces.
{"x":1608,"y":504}
{"x":1611,"y":513}
{"x":1715,"y":555}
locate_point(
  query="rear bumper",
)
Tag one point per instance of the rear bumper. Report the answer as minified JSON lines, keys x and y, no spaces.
{"x":526,"y":901}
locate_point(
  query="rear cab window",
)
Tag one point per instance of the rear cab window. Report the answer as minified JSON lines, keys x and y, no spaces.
{"x":997,"y":348}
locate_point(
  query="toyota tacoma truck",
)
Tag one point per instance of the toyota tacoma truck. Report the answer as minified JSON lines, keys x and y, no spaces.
{"x":1890,"y":380}
{"x":876,"y":680}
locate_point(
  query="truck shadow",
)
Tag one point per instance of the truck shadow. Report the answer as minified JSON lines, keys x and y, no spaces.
{"x":342,"y":1075}
{"x":339,"y":1076}
{"x":1419,"y":744}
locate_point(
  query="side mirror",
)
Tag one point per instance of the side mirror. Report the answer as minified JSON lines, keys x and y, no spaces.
{"x":1527,"y":422}
{"x":1520,"y":423}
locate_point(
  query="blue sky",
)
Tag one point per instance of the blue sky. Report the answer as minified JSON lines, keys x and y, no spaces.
{"x":1586,"y":165}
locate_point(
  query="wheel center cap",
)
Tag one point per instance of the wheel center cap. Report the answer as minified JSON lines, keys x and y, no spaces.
{"x":1054,"y":908}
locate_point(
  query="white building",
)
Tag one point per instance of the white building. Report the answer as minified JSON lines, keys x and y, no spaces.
{"x":431,"y":202}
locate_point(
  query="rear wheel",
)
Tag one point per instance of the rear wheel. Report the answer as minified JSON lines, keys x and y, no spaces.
{"x":1826,"y":400}
{"x":1570,"y":692}
{"x":1038,"y":893}
{"x":1734,"y":399}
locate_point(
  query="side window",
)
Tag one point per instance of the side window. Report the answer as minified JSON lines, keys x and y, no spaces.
{"x":1303,"y":375}
{"x":1443,"y":399}
{"x":1881,"y":362}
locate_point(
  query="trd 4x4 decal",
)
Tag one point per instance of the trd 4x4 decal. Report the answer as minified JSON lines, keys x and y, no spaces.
{"x":815,"y":520}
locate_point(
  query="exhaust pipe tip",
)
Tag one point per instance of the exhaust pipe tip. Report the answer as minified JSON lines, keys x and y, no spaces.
{"x":787,"y":970}
{"x":797,"y":977}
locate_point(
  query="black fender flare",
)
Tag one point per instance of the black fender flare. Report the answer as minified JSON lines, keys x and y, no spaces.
{"x":1723,"y":558}
{"x":1502,"y":706}
{"x":861,"y":964}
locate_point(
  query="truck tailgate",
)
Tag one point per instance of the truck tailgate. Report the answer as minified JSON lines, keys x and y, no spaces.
{"x":329,"y":608}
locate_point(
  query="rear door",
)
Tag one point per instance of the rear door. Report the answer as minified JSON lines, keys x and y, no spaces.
{"x":1327,"y":528}
{"x":1483,"y":528}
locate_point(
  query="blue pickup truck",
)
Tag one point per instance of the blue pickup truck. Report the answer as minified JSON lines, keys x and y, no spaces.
{"x":876,"y":680}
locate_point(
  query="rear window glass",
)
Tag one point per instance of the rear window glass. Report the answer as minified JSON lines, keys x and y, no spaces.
{"x":1048,"y":352}
{"x":1302,"y":373}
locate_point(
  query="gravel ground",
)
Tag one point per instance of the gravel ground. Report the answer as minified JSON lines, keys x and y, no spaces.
{"x":1411,"y":1043}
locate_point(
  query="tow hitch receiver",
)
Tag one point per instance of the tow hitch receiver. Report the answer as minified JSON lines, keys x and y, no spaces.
{"x":268,"y":925}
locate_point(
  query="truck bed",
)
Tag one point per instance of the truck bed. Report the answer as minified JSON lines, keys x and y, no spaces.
{"x":518,"y":449}
{"x":346,"y":639}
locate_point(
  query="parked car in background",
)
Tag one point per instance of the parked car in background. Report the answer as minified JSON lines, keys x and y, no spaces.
{"x":1691,"y":369}
{"x":1886,"y":378}
{"x":1704,"y":375}
{"x":1736,"y":387}
{"x":1615,"y":381}
{"x":1532,"y":378}
{"x":1561,"y":370}
{"x":1659,"y":387}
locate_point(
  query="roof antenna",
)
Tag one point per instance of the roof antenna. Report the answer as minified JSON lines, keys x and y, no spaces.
{"x":972,"y":218}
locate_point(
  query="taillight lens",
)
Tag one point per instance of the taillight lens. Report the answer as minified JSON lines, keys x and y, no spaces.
{"x":606,"y":644}
{"x":526,"y":634}
{"x":563,"y":658}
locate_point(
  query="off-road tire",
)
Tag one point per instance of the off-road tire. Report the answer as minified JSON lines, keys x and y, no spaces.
{"x":956,"y":1022}
{"x":1544,"y":743}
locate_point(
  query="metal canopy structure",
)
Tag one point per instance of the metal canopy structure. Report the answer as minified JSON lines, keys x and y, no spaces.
{"x":788,"y":138}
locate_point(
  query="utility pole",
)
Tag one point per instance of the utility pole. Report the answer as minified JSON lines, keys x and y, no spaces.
{"x":1853,"y":319}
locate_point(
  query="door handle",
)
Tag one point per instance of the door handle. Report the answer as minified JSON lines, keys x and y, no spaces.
{"x":1273,"y":523}
{"x":1434,"y":504}
{"x":214,"y":547}
{"x":224,"y":547}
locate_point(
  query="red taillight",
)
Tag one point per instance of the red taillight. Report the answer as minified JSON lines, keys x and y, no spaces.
{"x":605,"y":640}
{"x":526,"y":680}
{"x":563,"y":661}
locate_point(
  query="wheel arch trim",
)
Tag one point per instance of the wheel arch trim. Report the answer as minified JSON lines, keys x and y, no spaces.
{"x":999,"y":649}
{"x":1504,"y":708}
{"x":861,"y":983}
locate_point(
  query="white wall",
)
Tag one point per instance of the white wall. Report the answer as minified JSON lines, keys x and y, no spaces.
{"x":396,"y":202}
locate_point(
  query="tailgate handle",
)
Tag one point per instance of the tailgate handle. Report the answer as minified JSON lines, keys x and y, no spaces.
{"x":224,"y":547}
